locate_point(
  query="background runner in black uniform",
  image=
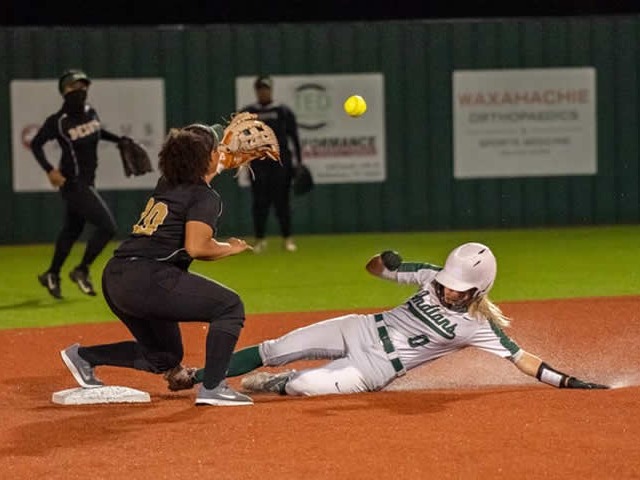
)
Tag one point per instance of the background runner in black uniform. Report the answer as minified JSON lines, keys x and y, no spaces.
{"x":147,"y":283}
{"x":76,"y":127}
{"x":271,"y":184}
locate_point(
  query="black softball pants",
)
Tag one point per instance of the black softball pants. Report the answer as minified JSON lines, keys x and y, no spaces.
{"x":271,"y":187}
{"x":83,"y":204}
{"x":151,"y":298}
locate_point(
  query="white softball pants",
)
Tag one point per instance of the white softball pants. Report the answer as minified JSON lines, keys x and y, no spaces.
{"x":359,"y":361}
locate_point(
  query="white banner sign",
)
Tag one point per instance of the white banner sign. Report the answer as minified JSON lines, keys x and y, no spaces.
{"x":336,"y":148}
{"x":132,"y":107}
{"x":520,"y":123}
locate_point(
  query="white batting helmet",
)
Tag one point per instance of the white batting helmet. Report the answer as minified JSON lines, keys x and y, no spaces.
{"x":471,"y":265}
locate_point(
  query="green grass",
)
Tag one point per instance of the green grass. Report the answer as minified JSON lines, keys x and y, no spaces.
{"x":327,"y":272}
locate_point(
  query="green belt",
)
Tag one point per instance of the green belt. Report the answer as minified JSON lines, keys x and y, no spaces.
{"x":388,"y":345}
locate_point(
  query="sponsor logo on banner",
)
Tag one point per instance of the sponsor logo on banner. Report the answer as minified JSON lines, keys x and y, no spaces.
{"x":312,"y":106}
{"x":132,"y":107}
{"x":336,"y":148}
{"x":526,"y":122}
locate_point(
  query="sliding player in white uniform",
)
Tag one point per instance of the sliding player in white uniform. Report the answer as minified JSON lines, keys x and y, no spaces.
{"x":450,"y":311}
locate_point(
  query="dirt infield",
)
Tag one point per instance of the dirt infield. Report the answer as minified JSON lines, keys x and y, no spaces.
{"x":467,"y":416}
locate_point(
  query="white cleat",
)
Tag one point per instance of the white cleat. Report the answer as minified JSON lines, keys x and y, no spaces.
{"x":289,"y":245}
{"x":260,"y":246}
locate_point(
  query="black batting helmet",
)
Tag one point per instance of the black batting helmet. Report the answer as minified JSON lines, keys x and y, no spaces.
{"x":70,"y":76}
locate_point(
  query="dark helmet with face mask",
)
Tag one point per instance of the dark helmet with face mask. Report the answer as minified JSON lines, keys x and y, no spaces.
{"x":71,"y":76}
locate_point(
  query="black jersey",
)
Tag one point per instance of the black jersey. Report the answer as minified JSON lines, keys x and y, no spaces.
{"x":78,"y":135}
{"x":160,"y":231}
{"x":282,"y":121}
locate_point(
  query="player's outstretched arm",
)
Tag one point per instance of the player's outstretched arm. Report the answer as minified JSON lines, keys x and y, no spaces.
{"x":200,"y":244}
{"x":535,"y":367}
{"x":110,"y":136}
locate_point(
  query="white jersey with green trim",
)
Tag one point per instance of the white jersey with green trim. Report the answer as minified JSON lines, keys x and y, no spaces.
{"x":422,"y":329}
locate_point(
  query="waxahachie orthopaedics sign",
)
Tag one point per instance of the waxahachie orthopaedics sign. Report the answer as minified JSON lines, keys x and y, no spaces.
{"x":525,"y":122}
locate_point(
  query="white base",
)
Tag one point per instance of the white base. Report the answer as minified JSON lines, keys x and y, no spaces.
{"x":110,"y":394}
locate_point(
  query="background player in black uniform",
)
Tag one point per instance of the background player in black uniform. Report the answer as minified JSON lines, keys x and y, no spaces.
{"x":271,"y":183}
{"x":76,"y":127}
{"x":147,"y":283}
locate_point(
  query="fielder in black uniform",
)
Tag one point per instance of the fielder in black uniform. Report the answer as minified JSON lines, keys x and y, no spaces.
{"x":271,"y":182}
{"x":76,"y":127}
{"x":147,"y":283}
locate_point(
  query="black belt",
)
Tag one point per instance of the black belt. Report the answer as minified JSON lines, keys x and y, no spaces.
{"x":388,"y":345}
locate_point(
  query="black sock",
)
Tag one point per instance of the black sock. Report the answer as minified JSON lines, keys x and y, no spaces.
{"x":220,"y":346}
{"x":122,"y":354}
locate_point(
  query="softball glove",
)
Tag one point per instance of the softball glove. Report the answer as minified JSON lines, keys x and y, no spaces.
{"x":135,"y":159}
{"x":180,"y":378}
{"x":244,"y":139}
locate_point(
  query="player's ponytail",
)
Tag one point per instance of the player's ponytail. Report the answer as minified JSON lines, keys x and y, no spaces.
{"x":485,"y":307}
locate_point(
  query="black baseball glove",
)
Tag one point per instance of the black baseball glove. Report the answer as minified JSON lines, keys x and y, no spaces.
{"x":135,"y":159}
{"x":302,"y":180}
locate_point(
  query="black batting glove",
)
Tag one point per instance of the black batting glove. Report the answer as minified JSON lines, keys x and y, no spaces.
{"x":573,"y":382}
{"x":391,"y":260}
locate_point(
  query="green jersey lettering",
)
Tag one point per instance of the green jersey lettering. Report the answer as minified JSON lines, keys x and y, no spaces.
{"x":432,"y":317}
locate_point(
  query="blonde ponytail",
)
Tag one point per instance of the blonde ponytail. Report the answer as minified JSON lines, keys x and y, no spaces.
{"x":486,"y":308}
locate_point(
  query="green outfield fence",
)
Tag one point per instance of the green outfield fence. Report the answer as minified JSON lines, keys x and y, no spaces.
{"x":200,"y":63}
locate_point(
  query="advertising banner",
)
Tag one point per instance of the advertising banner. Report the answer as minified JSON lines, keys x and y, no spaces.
{"x":524,"y":123}
{"x":337,"y":148}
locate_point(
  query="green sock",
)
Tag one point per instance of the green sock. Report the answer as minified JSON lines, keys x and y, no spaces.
{"x":242,"y":361}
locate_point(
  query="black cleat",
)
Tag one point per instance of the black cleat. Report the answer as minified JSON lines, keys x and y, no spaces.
{"x":81,"y":277}
{"x":51,"y":282}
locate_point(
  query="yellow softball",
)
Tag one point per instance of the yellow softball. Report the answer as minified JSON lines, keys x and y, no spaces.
{"x":355,"y":106}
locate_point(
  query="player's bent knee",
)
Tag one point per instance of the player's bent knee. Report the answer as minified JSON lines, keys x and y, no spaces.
{"x":230,"y":325}
{"x":232,"y":320}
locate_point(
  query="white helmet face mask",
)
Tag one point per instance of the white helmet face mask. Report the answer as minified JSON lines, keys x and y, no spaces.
{"x":469,"y":266}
